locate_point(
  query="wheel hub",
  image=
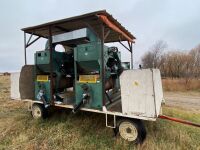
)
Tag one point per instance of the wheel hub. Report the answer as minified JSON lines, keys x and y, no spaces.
{"x":128,"y":131}
{"x":36,"y":112}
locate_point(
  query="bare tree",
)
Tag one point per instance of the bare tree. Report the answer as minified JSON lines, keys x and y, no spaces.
{"x":174,"y":64}
{"x":195,"y":54}
{"x":152,"y":59}
{"x":147,"y":60}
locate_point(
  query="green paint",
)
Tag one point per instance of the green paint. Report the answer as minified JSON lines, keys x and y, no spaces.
{"x":45,"y":86}
{"x":86,"y":60}
{"x":95,"y":100}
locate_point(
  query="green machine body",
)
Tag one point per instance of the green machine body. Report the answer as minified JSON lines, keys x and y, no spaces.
{"x":87,"y":61}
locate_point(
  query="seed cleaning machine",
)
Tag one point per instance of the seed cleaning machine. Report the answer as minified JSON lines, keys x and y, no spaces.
{"x":78,"y":68}
{"x":89,"y":75}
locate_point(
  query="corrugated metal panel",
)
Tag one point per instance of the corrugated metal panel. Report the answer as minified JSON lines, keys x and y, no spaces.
{"x":141,"y":92}
{"x":78,"y":22}
{"x":14,"y":78}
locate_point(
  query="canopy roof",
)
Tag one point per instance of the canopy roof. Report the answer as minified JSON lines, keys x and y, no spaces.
{"x":92,"y":20}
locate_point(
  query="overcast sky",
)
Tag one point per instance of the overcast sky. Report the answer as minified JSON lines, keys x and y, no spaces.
{"x":175,"y":21}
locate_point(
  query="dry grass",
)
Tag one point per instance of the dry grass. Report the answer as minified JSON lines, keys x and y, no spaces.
{"x":64,"y":130}
{"x":181,"y":85}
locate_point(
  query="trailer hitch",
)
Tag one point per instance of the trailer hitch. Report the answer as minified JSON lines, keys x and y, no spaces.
{"x":179,"y":120}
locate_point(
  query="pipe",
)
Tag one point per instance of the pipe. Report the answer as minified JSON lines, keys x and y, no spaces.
{"x":179,"y":120}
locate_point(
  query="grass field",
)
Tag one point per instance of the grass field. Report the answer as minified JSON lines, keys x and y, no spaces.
{"x":180,"y":84}
{"x":64,"y":130}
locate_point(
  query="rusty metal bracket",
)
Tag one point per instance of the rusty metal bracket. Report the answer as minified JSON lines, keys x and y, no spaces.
{"x":124,"y":46}
{"x":106,"y":35}
{"x":28,"y":44}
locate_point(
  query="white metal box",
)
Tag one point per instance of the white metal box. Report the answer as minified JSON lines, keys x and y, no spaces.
{"x":141,"y":92}
{"x":14,"y":91}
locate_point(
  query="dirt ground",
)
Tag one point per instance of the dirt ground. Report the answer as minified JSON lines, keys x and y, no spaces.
{"x":185,"y":100}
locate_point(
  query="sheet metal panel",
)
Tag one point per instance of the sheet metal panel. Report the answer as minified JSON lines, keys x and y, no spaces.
{"x":141,"y":92}
{"x":158,"y":90}
{"x":76,"y":34}
{"x":14,"y":91}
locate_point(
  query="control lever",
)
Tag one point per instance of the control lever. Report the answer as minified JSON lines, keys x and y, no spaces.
{"x":83,"y":101}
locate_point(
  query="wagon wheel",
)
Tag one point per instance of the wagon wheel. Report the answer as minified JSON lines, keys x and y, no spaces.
{"x":131,"y":130}
{"x":38,"y":111}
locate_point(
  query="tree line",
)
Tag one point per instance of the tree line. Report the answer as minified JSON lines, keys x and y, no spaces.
{"x":173,"y":64}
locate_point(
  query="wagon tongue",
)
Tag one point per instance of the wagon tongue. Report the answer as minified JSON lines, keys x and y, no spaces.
{"x":179,"y":120}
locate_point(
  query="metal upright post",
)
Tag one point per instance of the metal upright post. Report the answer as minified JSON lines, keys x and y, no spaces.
{"x":102,"y":65}
{"x":25,"y":48}
{"x":131,"y":46}
{"x":51,"y":64}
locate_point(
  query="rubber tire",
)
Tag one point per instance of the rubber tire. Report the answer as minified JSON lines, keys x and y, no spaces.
{"x":42,"y":110}
{"x":138,"y":124}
